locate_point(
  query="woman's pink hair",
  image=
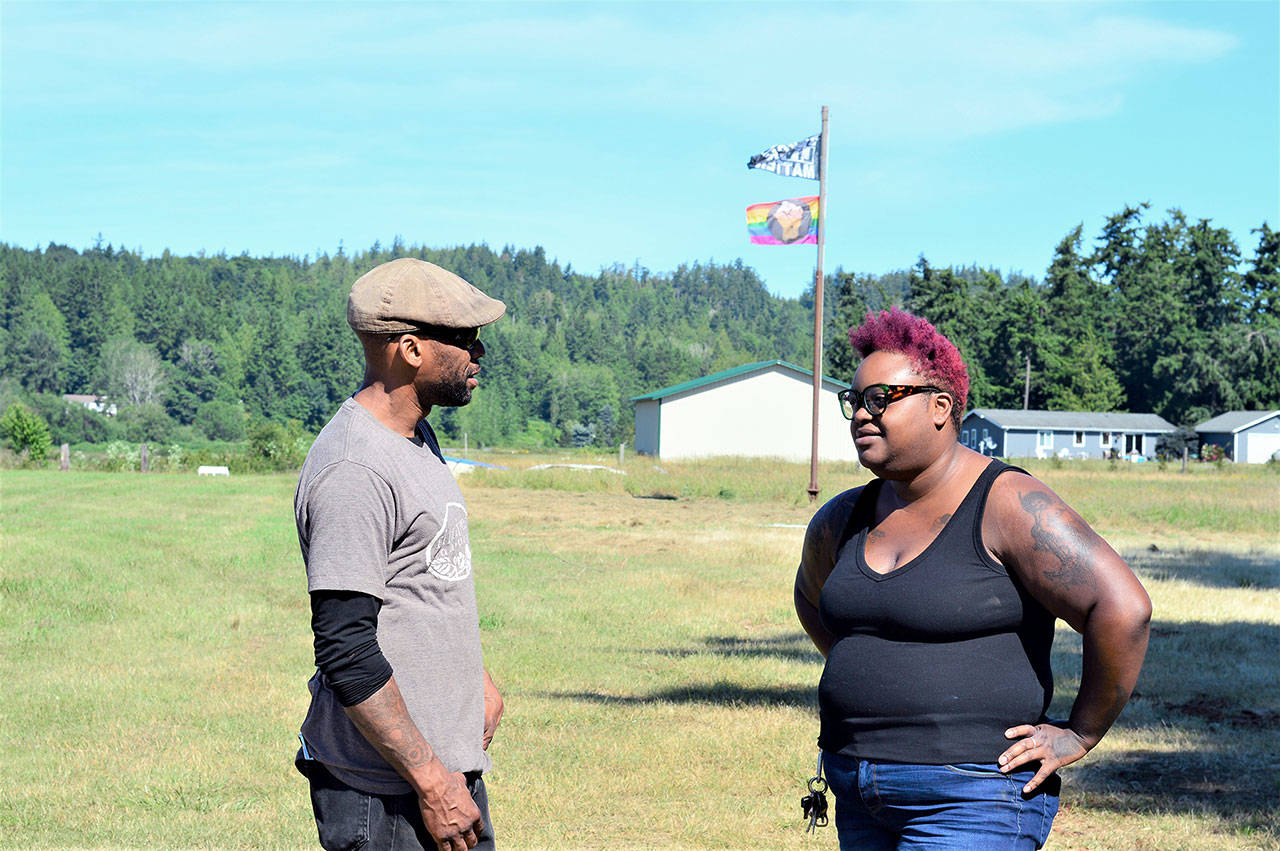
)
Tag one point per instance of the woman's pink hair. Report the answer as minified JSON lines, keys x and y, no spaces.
{"x":932,"y":355}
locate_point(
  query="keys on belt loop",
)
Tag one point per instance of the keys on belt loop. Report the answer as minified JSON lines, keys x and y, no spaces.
{"x":814,"y":805}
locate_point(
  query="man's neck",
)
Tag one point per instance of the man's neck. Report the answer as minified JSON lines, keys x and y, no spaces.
{"x":398,"y":409}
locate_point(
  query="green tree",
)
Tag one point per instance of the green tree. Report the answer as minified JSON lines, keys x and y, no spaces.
{"x":26,"y":433}
{"x":1148,"y":297}
{"x":276,"y":446}
{"x":274,"y":382}
{"x":848,"y":295}
{"x":1252,"y":345}
{"x":1082,"y":381}
{"x":93,"y":302}
{"x":220,"y":420}
{"x":70,"y":422}
{"x":38,"y":346}
{"x":332,"y":362}
{"x":1075,"y":349}
{"x":192,"y":379}
{"x":146,"y":423}
{"x":1016,"y":360}
{"x":945,"y":299}
{"x":1261,"y":285}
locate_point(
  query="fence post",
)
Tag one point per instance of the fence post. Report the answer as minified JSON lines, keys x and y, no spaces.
{"x":620,"y":447}
{"x":142,"y":458}
{"x":1184,"y":459}
{"x":64,"y":459}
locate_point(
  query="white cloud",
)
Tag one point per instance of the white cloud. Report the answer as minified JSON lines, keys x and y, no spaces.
{"x":894,"y":71}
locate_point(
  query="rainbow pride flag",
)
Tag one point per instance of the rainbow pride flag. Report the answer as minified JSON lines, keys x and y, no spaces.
{"x":793,"y":221}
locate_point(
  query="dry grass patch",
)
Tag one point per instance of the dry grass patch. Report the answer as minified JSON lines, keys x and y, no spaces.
{"x":660,"y":692}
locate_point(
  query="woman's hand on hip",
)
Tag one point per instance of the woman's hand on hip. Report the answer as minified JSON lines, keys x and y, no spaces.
{"x":1053,"y":746}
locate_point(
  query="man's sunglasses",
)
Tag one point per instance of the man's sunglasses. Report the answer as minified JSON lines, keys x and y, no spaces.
{"x":876,"y":397}
{"x":463,"y":338}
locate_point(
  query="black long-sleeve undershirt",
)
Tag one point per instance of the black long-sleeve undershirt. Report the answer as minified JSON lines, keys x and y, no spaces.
{"x":345,"y":624}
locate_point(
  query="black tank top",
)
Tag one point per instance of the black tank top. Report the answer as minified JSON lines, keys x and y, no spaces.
{"x":933,"y":661}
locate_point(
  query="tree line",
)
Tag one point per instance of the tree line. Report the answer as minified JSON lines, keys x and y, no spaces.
{"x":1163,"y":317}
{"x":1160,"y":318}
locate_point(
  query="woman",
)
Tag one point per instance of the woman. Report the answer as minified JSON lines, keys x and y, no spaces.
{"x":932,"y":593}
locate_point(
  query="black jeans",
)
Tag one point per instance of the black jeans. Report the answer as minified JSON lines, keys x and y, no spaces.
{"x":349,"y":819}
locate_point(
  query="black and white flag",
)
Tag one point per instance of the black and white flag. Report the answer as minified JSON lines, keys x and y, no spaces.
{"x":798,"y":160}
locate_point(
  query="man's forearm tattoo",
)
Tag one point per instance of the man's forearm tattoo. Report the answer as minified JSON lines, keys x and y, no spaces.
{"x":391,"y":731}
{"x":1061,"y":538}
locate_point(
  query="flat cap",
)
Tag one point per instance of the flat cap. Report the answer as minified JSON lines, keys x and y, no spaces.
{"x":407,"y":293}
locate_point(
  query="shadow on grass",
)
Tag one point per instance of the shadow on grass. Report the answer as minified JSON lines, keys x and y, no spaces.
{"x":1212,"y":569}
{"x":721,"y":693}
{"x":1216,"y":779}
{"x":1211,"y":690}
{"x":793,"y":647}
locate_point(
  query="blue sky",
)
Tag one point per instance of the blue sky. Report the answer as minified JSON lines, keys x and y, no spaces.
{"x":614,"y":132}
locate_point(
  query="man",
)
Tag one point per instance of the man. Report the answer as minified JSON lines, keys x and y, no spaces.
{"x":402,"y":710}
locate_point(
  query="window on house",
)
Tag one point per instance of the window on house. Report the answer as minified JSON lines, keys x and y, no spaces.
{"x":1106,"y":440}
{"x":1044,"y":439}
{"x":1078,"y":439}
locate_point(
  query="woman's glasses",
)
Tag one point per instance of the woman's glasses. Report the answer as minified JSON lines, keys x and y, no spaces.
{"x":876,"y":397}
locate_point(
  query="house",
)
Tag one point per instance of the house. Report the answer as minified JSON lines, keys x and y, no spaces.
{"x":1249,"y":436}
{"x":100,"y":404}
{"x":1065,"y":434}
{"x":758,"y":410}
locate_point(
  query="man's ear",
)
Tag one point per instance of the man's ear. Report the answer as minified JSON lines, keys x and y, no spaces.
{"x":410,"y":350}
{"x":941,"y":409}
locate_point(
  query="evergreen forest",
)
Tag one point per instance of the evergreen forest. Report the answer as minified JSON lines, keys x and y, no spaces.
{"x":1165,"y":316}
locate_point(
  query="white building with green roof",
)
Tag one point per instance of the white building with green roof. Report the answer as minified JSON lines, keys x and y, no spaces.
{"x":758,"y":410}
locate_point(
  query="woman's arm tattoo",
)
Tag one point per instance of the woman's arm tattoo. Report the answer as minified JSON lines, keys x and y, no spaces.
{"x":1061,"y":537}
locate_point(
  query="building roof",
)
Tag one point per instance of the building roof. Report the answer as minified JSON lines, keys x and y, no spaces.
{"x":1073,"y":420}
{"x":733,"y":373}
{"x":1234,"y":421}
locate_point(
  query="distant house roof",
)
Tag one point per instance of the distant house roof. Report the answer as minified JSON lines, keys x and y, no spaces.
{"x":1234,"y":421}
{"x":1073,"y":420}
{"x":733,"y":373}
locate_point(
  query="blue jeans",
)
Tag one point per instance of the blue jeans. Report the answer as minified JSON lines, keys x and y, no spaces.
{"x":886,"y":806}
{"x":348,"y":819}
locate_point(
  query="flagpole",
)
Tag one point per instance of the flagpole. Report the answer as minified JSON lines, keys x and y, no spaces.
{"x":817,"y":308}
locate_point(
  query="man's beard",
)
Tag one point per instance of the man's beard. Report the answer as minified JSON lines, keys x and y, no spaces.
{"x":451,"y":393}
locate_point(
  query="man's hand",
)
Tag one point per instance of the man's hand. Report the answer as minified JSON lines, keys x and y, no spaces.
{"x":1053,"y":746}
{"x":449,"y":813}
{"x":451,"y":816}
{"x":493,"y":706}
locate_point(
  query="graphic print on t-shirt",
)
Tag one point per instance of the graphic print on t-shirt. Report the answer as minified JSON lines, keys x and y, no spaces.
{"x":450,"y":549}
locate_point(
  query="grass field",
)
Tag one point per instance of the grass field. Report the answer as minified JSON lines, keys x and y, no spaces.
{"x":154,"y":641}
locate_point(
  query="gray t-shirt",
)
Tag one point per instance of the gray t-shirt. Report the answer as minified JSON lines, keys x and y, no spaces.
{"x":381,"y":515}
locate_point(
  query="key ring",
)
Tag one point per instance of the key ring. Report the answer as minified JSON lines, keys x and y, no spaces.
{"x":817,"y":777}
